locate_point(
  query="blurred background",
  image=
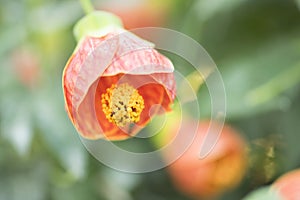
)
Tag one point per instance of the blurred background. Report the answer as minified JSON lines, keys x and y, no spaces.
{"x":255,"y":44}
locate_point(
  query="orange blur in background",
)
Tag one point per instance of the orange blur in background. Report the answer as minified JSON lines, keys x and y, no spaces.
{"x":221,"y":170}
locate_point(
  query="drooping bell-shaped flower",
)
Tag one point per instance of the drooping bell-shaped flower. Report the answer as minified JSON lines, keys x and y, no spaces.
{"x":114,"y":81}
{"x":221,"y":170}
{"x":288,"y":185}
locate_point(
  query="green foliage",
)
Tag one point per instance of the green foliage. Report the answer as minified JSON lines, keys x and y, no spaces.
{"x":255,"y":44}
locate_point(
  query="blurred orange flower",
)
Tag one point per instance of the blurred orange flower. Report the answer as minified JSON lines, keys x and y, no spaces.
{"x":139,"y":14}
{"x":288,"y":185}
{"x":26,"y":65}
{"x":111,"y":82}
{"x":221,"y":170}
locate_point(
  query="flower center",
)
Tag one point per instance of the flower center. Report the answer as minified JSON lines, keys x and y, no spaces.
{"x":122,"y":104}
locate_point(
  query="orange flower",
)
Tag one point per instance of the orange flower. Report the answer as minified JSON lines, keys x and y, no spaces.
{"x":288,"y":185}
{"x":26,"y":65}
{"x":111,"y":83}
{"x":221,"y":170}
{"x":139,"y":13}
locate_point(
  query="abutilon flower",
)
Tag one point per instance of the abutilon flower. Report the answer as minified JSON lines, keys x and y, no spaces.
{"x":208,"y":177}
{"x":113,"y":80}
{"x":288,"y":185}
{"x":139,"y":13}
{"x":26,"y":66}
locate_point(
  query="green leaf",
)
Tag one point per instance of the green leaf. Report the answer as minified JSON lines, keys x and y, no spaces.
{"x":209,"y":8}
{"x":17,"y":129}
{"x":257,"y":80}
{"x":57,"y":131}
{"x":16,"y":114}
{"x":298,"y":4}
{"x":288,"y":124}
{"x":28,"y":183}
{"x":63,"y":14}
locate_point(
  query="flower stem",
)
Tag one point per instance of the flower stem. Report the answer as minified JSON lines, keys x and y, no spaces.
{"x":87,"y":6}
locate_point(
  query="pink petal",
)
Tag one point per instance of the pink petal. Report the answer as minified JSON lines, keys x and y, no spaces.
{"x":112,"y":54}
{"x":135,"y":56}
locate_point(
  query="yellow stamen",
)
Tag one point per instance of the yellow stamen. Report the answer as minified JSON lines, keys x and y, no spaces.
{"x":122,"y":104}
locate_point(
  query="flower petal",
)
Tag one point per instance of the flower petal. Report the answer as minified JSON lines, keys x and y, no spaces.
{"x":83,"y":68}
{"x":81,"y":71}
{"x":110,"y":56}
{"x":152,"y":92}
{"x":136,"y":56}
{"x":288,"y":185}
{"x":145,"y":61}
